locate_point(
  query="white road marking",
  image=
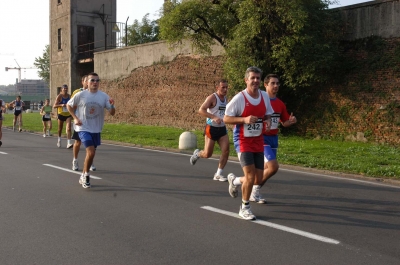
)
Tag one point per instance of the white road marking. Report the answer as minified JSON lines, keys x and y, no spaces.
{"x":70,"y":170}
{"x":276,"y":226}
{"x":3,"y":153}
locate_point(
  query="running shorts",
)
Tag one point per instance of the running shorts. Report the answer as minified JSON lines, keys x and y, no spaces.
{"x":214,"y":133}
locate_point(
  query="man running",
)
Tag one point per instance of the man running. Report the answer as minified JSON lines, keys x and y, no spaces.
{"x":2,"y":108}
{"x":87,"y":109}
{"x":63,"y":115}
{"x":75,"y":136}
{"x":250,"y":111}
{"x":46,"y":113}
{"x":280,"y":115}
{"x":213,"y":109}
{"x":18,"y":106}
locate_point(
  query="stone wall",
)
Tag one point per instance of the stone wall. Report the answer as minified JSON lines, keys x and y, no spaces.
{"x":165,"y":94}
{"x":374,"y":18}
{"x":363,"y":105}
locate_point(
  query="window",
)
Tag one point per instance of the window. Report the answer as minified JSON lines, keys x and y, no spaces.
{"x":59,"y":2}
{"x":85,"y":42}
{"x":58,"y":90}
{"x":59,"y":40}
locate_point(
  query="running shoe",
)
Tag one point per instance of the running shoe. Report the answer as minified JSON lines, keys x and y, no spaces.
{"x":44,"y":135}
{"x":256,"y":196}
{"x":75,"y":165}
{"x":85,"y":181}
{"x":219,"y":177}
{"x":92,"y":168}
{"x":194,"y":157}
{"x":232,"y":188}
{"x":20,"y":130}
{"x":59,"y":143}
{"x":246,"y":213}
{"x":69,"y":146}
{"x":1,"y":143}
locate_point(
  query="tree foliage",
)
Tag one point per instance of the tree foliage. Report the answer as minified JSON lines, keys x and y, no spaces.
{"x":297,"y":39}
{"x":43,"y":64}
{"x":142,"y":32}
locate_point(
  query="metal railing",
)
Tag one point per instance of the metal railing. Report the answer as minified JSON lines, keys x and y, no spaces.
{"x":114,"y":37}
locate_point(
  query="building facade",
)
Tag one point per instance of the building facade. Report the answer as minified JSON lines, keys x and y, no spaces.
{"x":32,"y":87}
{"x":78,"y":28}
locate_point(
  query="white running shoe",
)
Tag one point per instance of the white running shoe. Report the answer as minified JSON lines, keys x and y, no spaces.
{"x":219,"y":177}
{"x":92,"y":168}
{"x":256,"y":196}
{"x":59,"y":143}
{"x":69,"y":146}
{"x":85,"y":181}
{"x":194,"y":157}
{"x":232,"y":188}
{"x":75,"y":165}
{"x":246,"y":213}
{"x":44,"y":135}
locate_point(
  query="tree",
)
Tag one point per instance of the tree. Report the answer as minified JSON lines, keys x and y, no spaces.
{"x":142,"y":32}
{"x":43,"y":64}
{"x":297,"y":39}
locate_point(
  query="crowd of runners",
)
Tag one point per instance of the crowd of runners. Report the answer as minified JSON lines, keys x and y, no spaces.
{"x":86,"y":108}
{"x":255,"y":114}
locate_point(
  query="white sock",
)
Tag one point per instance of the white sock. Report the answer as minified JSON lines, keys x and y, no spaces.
{"x":59,"y":138}
{"x":219,"y":172}
{"x":237,"y":182}
{"x":69,"y":141}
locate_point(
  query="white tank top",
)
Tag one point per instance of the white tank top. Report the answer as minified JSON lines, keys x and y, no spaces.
{"x":218,"y":110}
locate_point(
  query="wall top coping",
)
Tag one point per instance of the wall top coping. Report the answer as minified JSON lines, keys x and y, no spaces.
{"x":370,"y":3}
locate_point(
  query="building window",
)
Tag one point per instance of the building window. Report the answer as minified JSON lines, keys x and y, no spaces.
{"x":59,"y":40}
{"x":59,"y":2}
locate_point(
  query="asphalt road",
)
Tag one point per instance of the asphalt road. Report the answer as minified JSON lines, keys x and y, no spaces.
{"x":153,"y":207}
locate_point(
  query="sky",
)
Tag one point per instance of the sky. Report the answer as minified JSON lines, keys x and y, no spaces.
{"x":24,"y":30}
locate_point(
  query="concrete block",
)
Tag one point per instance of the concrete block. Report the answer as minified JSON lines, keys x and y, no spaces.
{"x":187,"y":140}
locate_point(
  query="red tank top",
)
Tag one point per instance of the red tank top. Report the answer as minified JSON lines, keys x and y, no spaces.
{"x":251,"y":135}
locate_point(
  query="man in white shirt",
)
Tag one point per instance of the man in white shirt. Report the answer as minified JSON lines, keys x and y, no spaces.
{"x":250,"y":111}
{"x":87,"y":110}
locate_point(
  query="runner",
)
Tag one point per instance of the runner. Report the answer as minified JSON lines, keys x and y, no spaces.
{"x":280,"y":115}
{"x":46,"y":113}
{"x":63,"y":115}
{"x":87,"y":109}
{"x":250,"y":111}
{"x":2,"y":108}
{"x":18,"y":106}
{"x":75,"y":136}
{"x":213,"y":109}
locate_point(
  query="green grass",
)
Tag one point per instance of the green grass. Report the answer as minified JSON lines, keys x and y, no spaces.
{"x":366,"y":159}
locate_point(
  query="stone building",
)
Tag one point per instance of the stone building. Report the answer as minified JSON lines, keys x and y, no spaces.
{"x":78,"y":28}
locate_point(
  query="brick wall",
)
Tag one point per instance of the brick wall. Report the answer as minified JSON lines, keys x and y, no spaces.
{"x":167,"y":94}
{"x":363,"y":104}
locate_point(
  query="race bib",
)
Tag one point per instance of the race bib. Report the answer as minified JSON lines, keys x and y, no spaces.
{"x":274,"y":123}
{"x":17,"y":108}
{"x":64,"y":109}
{"x":253,"y":130}
{"x":47,"y":115}
{"x":221,"y":111}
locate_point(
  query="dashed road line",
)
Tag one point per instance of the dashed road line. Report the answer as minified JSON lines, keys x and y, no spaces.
{"x":69,"y":170}
{"x":276,"y":226}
